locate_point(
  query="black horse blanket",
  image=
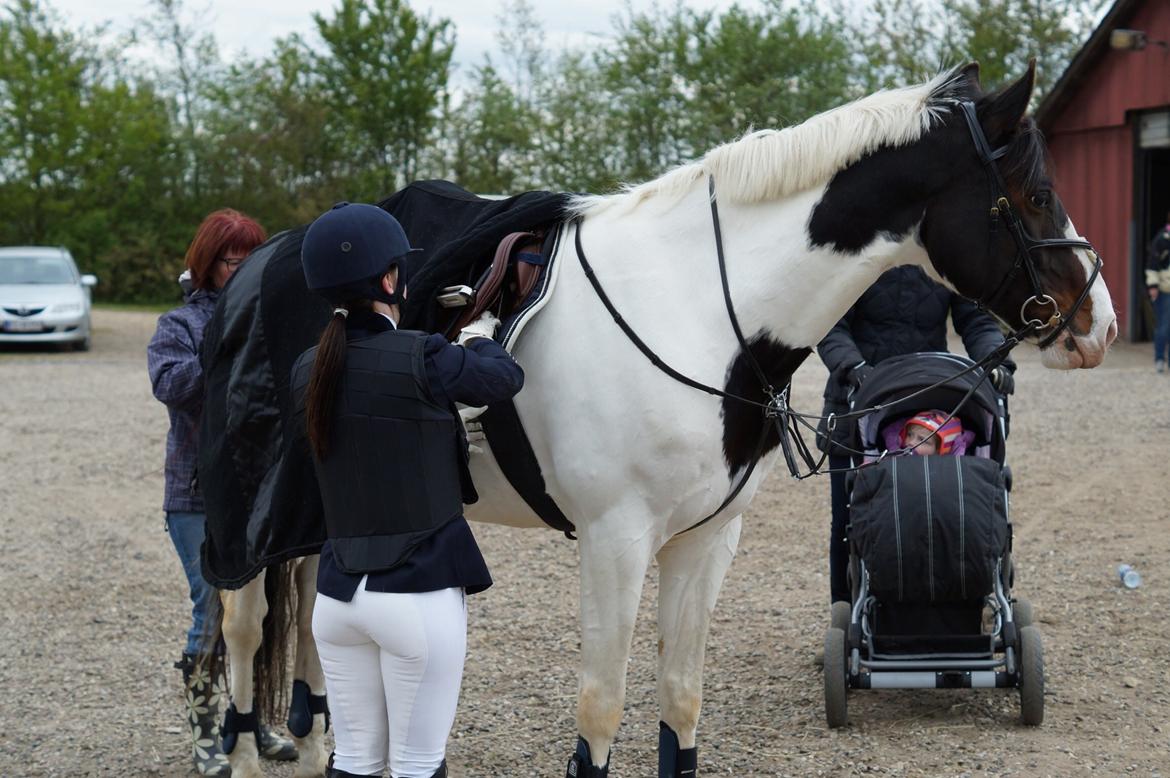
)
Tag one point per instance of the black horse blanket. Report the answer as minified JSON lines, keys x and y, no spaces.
{"x":259,"y":488}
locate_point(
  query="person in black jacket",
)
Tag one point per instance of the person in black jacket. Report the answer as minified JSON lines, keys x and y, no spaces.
{"x":903,"y":312}
{"x":1158,"y":285}
{"x":391,"y":457}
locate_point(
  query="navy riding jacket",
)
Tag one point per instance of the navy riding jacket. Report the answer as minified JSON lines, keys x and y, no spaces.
{"x":479,"y":373}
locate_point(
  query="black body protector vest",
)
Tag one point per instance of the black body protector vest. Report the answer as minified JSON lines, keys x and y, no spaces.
{"x":393,"y":472}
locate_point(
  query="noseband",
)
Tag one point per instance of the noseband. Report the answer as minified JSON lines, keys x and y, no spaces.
{"x":1025,"y":244}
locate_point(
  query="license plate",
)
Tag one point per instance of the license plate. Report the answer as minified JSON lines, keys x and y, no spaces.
{"x":23,"y":325}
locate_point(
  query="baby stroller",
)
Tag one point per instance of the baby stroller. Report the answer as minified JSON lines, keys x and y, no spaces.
{"x":930,"y":549}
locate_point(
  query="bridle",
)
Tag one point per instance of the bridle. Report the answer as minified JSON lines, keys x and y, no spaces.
{"x":1001,"y":210}
{"x":776,"y":411}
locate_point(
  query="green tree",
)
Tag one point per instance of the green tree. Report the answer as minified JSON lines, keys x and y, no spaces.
{"x":43,"y":72}
{"x":577,"y":150}
{"x":194,"y":65}
{"x":86,"y":156}
{"x":898,"y":42}
{"x":493,"y":136}
{"x":270,"y":149}
{"x":385,"y":76}
{"x":768,"y":69}
{"x":644,"y":74}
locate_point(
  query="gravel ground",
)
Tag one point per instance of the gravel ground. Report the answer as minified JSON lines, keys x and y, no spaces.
{"x":94,"y":601}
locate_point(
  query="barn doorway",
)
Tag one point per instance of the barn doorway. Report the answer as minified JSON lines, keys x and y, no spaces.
{"x":1151,"y":207}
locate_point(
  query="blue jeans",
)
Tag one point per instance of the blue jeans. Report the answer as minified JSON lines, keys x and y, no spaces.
{"x":1162,"y":326}
{"x":186,"y":531}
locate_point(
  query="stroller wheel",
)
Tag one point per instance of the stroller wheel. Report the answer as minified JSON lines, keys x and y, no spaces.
{"x":1031,"y":676}
{"x":841,"y":615}
{"x":836,"y":684}
{"x":1022,"y":612}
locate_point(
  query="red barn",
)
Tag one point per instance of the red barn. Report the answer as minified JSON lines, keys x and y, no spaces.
{"x":1107,"y":122}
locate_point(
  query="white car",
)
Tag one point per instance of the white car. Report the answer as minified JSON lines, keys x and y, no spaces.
{"x":43,"y":299}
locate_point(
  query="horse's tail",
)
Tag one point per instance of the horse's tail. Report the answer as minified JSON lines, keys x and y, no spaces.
{"x":270,"y":664}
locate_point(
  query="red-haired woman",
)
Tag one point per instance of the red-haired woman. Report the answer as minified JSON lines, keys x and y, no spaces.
{"x":221,"y":244}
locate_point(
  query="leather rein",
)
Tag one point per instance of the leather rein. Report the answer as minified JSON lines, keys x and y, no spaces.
{"x":776,"y":411}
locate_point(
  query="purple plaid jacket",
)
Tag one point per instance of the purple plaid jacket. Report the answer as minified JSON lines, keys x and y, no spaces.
{"x":176,"y":377}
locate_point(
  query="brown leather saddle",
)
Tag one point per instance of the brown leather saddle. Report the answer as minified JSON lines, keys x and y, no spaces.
{"x":502,"y":287}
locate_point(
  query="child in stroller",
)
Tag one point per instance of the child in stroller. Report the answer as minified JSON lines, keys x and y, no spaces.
{"x":931,"y":432}
{"x":930,"y":543}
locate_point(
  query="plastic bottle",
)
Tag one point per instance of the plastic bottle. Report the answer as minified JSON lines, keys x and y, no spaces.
{"x":1130,"y":578}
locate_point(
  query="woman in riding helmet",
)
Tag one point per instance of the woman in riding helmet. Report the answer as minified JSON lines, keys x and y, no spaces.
{"x":390,"y":454}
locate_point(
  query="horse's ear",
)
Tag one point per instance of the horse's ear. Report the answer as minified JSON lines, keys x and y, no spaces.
{"x":970,"y":75}
{"x":1000,"y":113}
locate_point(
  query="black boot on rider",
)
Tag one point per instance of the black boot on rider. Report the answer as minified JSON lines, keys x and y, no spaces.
{"x":440,"y":773}
{"x":581,"y":763}
{"x":675,"y":762}
{"x":333,"y":772}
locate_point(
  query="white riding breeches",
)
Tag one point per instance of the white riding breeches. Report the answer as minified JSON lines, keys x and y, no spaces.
{"x":393,"y":664}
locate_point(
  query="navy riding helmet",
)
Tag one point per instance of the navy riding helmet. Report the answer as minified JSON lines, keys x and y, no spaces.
{"x":349,"y":248}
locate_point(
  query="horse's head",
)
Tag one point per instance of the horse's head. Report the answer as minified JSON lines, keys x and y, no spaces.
{"x":998,"y":232}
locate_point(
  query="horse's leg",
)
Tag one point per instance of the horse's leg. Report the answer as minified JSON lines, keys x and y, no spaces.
{"x":307,"y":712}
{"x":691,"y":567}
{"x":243,"y":616}
{"x":613,"y":567}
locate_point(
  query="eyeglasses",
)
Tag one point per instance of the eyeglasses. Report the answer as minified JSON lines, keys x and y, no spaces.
{"x":232,"y":262}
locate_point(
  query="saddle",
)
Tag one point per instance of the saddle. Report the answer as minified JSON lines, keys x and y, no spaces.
{"x":502,"y":287}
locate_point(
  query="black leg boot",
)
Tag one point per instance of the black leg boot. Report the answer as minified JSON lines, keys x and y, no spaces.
{"x":581,"y":763}
{"x":333,"y":772}
{"x":675,"y":762}
{"x":203,"y":699}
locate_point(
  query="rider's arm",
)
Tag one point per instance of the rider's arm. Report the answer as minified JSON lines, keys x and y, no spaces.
{"x":478,"y":373}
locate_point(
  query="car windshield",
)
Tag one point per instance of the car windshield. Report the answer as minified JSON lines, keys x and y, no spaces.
{"x":35,"y":270}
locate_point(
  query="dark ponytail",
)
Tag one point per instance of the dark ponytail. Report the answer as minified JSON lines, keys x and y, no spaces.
{"x":323,"y":382}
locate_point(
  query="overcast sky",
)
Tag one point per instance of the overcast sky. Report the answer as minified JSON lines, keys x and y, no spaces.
{"x":252,"y":25}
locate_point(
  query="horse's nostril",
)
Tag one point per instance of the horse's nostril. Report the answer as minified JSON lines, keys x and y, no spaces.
{"x":1111,"y":333}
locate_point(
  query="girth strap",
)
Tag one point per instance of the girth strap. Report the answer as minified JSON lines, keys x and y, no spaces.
{"x":517,"y":460}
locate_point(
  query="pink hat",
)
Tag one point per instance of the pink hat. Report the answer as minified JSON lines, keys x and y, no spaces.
{"x":946,"y":431}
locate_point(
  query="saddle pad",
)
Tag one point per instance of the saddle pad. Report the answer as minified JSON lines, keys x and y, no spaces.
{"x":501,"y":423}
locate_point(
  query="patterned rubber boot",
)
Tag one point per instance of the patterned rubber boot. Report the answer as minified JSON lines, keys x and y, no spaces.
{"x":272,"y":745}
{"x":203,"y":699}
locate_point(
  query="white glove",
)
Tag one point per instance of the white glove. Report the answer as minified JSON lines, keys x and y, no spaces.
{"x":473,"y":427}
{"x":483,"y":327}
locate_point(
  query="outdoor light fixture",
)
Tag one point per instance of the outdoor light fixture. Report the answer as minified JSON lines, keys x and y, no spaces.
{"x":1132,"y":40}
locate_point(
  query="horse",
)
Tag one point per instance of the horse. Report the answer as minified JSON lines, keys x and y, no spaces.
{"x":726,"y":273}
{"x":808,"y":218}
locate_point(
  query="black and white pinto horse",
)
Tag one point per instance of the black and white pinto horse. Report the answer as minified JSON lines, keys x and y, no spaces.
{"x":938,"y":175}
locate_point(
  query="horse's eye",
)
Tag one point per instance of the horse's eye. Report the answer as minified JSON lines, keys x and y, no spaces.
{"x":1041,"y":199}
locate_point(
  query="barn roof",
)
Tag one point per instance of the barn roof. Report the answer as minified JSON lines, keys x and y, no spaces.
{"x":1094,"y":49}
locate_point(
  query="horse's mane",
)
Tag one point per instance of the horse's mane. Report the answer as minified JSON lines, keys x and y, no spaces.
{"x":770,"y":164}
